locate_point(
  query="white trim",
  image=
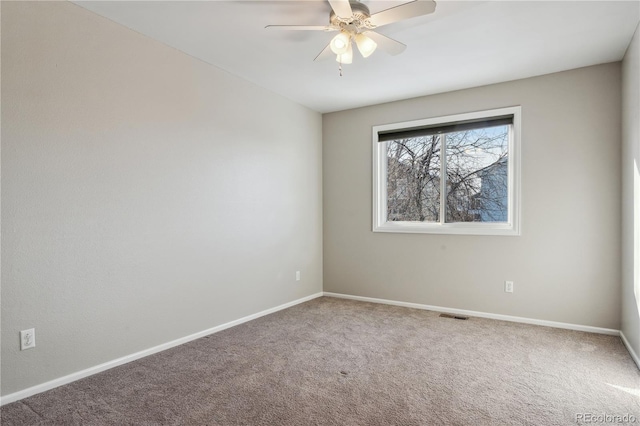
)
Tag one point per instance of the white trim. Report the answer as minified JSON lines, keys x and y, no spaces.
{"x":469,"y":228}
{"x":138,"y":355}
{"x":501,"y":317}
{"x":633,"y":353}
{"x":513,"y":225}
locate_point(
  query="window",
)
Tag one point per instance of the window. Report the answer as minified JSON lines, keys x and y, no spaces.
{"x":458,"y":174}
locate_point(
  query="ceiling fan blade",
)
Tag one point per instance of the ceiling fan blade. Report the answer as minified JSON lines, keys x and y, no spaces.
{"x":301,"y":27}
{"x":342,"y":8}
{"x":389,"y":45}
{"x":404,"y":11}
{"x":326,"y":53}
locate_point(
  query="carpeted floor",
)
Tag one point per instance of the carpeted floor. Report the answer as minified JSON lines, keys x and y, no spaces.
{"x":339,"y":362}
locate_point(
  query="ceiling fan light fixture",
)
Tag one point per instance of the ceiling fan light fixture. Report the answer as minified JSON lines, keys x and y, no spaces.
{"x":347,"y":57}
{"x":341,"y":43}
{"x":366,"y":46}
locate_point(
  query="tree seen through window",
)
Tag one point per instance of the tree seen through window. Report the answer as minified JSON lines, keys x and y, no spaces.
{"x":475,"y":169}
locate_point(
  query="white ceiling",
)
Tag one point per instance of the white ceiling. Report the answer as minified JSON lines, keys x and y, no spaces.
{"x":461,"y":45}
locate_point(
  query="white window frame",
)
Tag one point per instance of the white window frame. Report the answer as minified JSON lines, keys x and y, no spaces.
{"x":511,"y":227}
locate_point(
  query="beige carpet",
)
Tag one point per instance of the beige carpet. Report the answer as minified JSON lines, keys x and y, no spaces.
{"x":338,"y":362}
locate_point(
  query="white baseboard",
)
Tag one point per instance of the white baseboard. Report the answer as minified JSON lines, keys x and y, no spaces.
{"x":633,"y":353}
{"x":128,"y":358}
{"x":510,"y":318}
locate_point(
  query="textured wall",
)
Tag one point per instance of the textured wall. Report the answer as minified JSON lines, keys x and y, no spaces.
{"x":631,"y":193}
{"x":146,"y":195}
{"x":566,"y":264}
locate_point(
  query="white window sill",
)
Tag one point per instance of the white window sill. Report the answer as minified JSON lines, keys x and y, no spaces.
{"x":497,"y":229}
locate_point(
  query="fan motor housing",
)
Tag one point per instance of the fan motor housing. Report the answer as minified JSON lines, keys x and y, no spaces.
{"x":360,"y":15}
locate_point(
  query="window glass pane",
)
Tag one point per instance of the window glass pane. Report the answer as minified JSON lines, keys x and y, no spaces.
{"x":477,"y":183}
{"x":413,"y":179}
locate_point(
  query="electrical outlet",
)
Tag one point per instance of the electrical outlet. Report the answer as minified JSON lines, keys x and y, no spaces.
{"x":508,"y":286}
{"x":297,"y":275}
{"x":27,"y":339}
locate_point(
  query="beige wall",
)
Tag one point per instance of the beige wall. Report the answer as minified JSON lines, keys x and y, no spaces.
{"x":566,"y":264}
{"x":631,"y":194}
{"x":146,"y":195}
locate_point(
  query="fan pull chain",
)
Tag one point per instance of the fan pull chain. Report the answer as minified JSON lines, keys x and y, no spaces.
{"x":340,"y":68}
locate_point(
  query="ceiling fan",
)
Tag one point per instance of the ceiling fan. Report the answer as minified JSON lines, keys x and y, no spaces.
{"x":354,"y":23}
